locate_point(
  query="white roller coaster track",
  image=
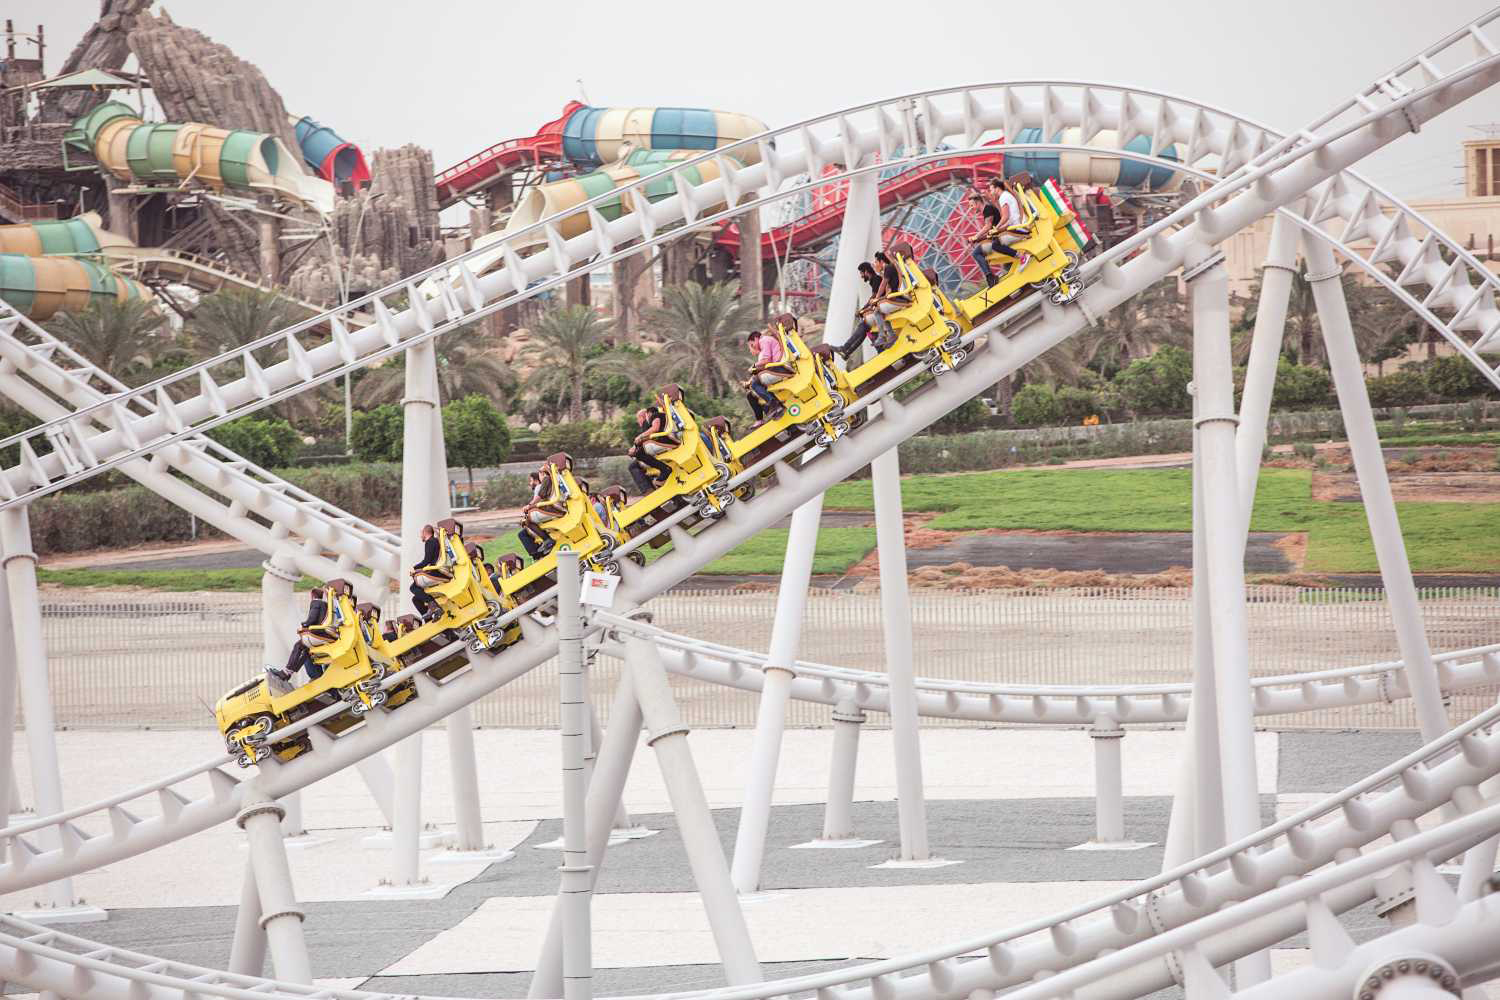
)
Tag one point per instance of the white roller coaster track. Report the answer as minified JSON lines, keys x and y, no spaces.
{"x":1248,"y":156}
{"x":1331,"y":832}
{"x":1272,"y":185}
{"x":253,"y":505}
{"x":1448,"y":771}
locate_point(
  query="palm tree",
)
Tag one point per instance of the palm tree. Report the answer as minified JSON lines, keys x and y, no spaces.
{"x":1158,"y":317}
{"x":464,"y":368}
{"x":120,"y":338}
{"x":233,"y":317}
{"x":701,"y":327}
{"x":1371,"y":314}
{"x":560,"y":353}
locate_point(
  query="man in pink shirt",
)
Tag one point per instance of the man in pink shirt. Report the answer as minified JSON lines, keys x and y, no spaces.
{"x":767,"y":351}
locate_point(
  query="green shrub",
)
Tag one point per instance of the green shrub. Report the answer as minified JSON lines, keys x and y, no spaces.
{"x":475,"y":433}
{"x":1403,"y":388}
{"x":508,"y":489}
{"x":1304,"y":449}
{"x":376,"y":436}
{"x":1034,"y":406}
{"x":271,"y":444}
{"x":1453,"y":377}
{"x":1157,"y":384}
{"x":1398,"y":419}
{"x":969,"y":416}
{"x":581,"y":439}
{"x":1074,"y":404}
{"x":1300,"y":386}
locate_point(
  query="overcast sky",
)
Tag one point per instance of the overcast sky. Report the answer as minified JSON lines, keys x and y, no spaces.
{"x":458,"y":75}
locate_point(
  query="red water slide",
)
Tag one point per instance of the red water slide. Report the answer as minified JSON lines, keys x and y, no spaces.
{"x":484,"y":168}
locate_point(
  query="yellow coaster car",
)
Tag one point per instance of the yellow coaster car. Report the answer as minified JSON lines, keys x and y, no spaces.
{"x":1052,"y":253}
{"x":924,"y":332}
{"x":813,"y":395}
{"x":700,"y":456}
{"x":249,"y":715}
{"x":471,"y":608}
{"x":568,"y":517}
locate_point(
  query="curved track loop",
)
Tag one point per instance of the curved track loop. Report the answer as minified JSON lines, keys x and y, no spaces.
{"x":1246,"y":155}
{"x":52,"y":381}
{"x":1331,"y":832}
{"x":1054,"y":705}
{"x":1263,"y":179}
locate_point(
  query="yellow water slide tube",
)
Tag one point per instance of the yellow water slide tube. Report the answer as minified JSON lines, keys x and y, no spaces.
{"x":171,"y":154}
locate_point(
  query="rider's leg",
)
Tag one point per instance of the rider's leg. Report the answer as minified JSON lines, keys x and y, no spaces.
{"x":979,"y":252}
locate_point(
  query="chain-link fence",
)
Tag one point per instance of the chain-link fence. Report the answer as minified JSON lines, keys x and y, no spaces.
{"x":163,"y":661}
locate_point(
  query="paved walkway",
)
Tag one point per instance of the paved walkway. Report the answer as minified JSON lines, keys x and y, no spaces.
{"x":1006,"y":804}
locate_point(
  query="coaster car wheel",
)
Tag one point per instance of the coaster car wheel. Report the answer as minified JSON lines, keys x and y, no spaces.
{"x":746,"y":491}
{"x":940,"y":368}
{"x":959,"y":357}
{"x":636,"y":556}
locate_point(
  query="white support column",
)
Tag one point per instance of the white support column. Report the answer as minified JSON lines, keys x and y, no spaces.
{"x":1375,"y":489}
{"x":1223,"y":539}
{"x":8,"y":791}
{"x":700,"y":838}
{"x":1276,"y":278}
{"x":770,"y":718}
{"x":376,"y":774}
{"x":576,"y":889}
{"x":247,"y":952}
{"x":281,"y":917}
{"x":1109,"y":781}
{"x":1197,"y":809}
{"x":620,"y":824}
{"x":606,"y":788}
{"x":860,"y":213}
{"x":463,"y":765}
{"x":838,"y":817}
{"x":61,"y":906}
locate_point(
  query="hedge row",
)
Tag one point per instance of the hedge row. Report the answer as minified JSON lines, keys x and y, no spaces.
{"x":133,"y":515}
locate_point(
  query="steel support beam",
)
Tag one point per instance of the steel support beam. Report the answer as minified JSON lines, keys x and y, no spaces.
{"x":700,"y":838}
{"x":576,"y":888}
{"x":1375,"y":488}
{"x":860,"y":215}
{"x":280,"y":916}
{"x":838,"y":817}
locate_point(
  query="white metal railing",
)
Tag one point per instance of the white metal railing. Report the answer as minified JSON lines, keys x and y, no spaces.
{"x":159,"y":661}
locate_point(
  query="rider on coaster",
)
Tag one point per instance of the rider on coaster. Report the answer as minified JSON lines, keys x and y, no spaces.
{"x":768,"y":368}
{"x":300,"y":658}
{"x":646,"y":469}
{"x":862,"y":328}
{"x":432,"y":559}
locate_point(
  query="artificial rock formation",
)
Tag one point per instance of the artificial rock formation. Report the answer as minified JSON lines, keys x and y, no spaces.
{"x":195,"y":79}
{"x":384,"y":233}
{"x":106,"y":45}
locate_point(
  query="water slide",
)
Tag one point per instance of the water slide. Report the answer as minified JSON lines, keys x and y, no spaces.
{"x":587,"y":137}
{"x":1263,"y":173}
{"x":84,"y":241}
{"x":44,"y":270}
{"x":328,"y":155}
{"x":174,"y":154}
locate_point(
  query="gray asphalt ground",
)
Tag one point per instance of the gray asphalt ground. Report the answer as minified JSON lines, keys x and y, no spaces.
{"x":1013,"y":840}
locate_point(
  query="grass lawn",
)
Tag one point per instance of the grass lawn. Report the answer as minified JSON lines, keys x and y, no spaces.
{"x":162,"y":579}
{"x":1440,"y":537}
{"x":838,"y":549}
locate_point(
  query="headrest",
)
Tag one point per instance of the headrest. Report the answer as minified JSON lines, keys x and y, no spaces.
{"x":367,"y":610}
{"x":340,"y":587}
{"x":509,"y":563}
{"x":672,"y":391}
{"x":561,"y":459}
{"x":720,"y":424}
{"x":616,"y":493}
{"x":450,"y":526}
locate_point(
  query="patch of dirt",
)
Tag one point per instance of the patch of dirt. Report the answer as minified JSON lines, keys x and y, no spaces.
{"x":963,"y":576}
{"x":1294,"y":547}
{"x":1428,"y":487}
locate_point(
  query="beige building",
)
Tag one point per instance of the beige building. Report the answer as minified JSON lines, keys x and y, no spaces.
{"x":1472,"y":220}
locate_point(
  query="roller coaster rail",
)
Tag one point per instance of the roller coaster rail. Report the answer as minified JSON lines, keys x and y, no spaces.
{"x":1445,"y":774}
{"x":1447,"y":771}
{"x":40,"y":381}
{"x":1242,"y":152}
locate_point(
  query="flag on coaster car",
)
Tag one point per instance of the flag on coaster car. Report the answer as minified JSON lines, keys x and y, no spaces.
{"x":1061,"y":205}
